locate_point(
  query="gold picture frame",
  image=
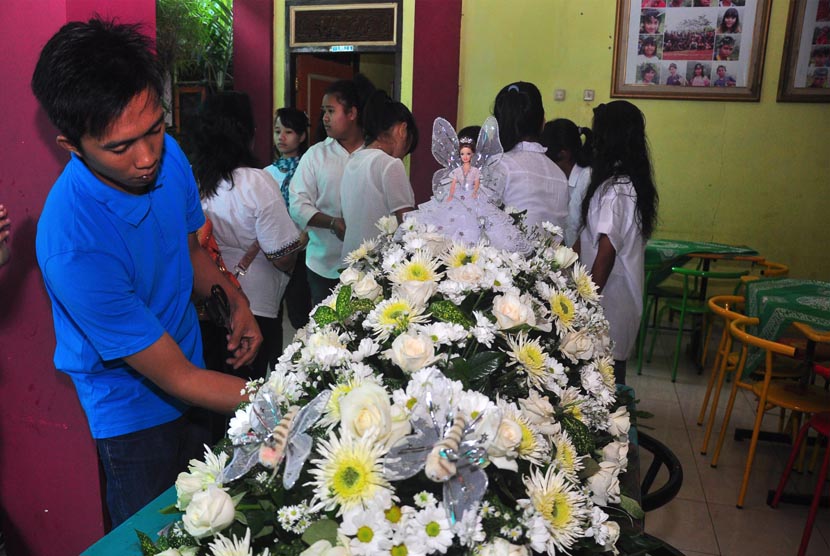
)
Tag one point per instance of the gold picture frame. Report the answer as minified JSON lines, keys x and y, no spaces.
{"x":690,"y":49}
{"x":805,"y":64}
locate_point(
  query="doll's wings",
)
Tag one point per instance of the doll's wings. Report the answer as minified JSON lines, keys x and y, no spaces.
{"x":488,"y":146}
{"x":445,"y":144}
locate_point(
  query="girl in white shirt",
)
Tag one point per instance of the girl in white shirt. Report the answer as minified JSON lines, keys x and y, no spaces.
{"x":374,"y":181}
{"x":314,"y":192}
{"x":619,"y":214}
{"x":566,"y":149}
{"x":529,"y":180}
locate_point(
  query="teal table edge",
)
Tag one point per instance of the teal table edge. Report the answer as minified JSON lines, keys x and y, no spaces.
{"x":123,"y":539}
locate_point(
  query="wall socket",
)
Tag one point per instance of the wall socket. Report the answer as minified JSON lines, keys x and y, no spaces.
{"x":588,"y":95}
{"x":559,"y":94}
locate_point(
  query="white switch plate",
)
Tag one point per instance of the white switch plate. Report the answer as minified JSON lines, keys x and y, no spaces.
{"x":588,"y":95}
{"x":559,"y":94}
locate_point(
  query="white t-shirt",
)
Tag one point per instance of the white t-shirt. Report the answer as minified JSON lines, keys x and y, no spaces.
{"x":374,"y":185}
{"x":315,"y":188}
{"x":578,"y":182}
{"x":253,"y":210}
{"x":532,"y":182}
{"x":613,"y":212}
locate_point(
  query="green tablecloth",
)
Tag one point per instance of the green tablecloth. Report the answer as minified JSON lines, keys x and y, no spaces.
{"x":123,"y":540}
{"x":662,"y":251}
{"x":779,"y":302}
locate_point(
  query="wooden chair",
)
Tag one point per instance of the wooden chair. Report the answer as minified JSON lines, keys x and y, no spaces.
{"x":688,"y":303}
{"x":798,"y":398}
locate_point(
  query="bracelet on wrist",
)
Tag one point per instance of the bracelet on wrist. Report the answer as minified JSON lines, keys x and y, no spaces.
{"x":331,"y":227}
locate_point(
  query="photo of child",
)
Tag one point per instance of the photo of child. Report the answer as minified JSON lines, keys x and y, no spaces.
{"x":724,"y":79}
{"x":820,"y":56}
{"x":675,"y":75}
{"x":698,"y":75}
{"x":647,"y":74}
{"x":817,"y":79}
{"x":651,"y":22}
{"x":651,"y":48}
{"x":727,"y":48}
{"x":729,"y":21}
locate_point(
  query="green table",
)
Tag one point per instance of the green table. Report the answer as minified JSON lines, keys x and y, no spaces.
{"x":664,"y":251}
{"x":779,"y":302}
{"x":123,"y":539}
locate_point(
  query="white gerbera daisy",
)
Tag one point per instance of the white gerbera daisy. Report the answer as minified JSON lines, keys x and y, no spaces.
{"x":432,"y":529}
{"x":585,"y":286}
{"x":533,"y":447}
{"x":530,"y":357}
{"x":348,"y":473}
{"x":566,"y":457}
{"x":424,"y":499}
{"x":563,"y":507}
{"x":562,"y":309}
{"x":420,"y":268}
{"x":393,"y":316}
{"x":361,"y":253}
{"x":368,"y":529}
{"x":223,"y":546}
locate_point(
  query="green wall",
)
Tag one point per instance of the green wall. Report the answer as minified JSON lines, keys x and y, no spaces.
{"x":733,"y":172}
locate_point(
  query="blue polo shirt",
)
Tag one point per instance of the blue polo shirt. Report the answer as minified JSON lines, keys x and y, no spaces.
{"x":118,"y":272}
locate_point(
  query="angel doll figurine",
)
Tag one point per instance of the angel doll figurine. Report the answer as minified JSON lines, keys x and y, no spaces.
{"x":467,"y":212}
{"x":467,"y":174}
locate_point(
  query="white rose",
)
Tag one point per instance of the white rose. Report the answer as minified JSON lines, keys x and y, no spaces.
{"x":367,"y":288}
{"x":435,"y":244}
{"x":417,"y":292}
{"x":613,"y":535}
{"x":617,"y":453}
{"x":366,"y":409}
{"x":605,"y":484}
{"x":620,"y":422}
{"x":502,"y":451}
{"x":500,"y":547}
{"x":181,"y":551}
{"x":209,"y":512}
{"x":412,"y":352}
{"x":470,"y":274}
{"x":577,"y":345}
{"x":324,"y":548}
{"x":564,"y":256}
{"x":350,"y":276}
{"x":187,"y":484}
{"x":510,"y":311}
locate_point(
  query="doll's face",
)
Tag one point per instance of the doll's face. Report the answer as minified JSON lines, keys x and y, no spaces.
{"x":649,"y":50}
{"x":652,"y":25}
{"x":466,"y":154}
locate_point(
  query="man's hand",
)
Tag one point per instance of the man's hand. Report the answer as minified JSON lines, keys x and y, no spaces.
{"x":339,"y":228}
{"x":245,"y":337}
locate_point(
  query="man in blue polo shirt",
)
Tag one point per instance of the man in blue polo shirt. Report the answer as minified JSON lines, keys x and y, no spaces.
{"x":117,"y":246}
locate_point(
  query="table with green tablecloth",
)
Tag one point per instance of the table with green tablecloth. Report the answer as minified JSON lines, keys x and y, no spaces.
{"x":778,"y":303}
{"x":664,"y":251}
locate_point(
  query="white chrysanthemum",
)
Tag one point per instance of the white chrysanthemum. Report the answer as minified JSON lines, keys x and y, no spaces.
{"x":348,"y":473}
{"x":593,"y":382}
{"x":605,"y":366}
{"x":424,"y":499}
{"x":485,"y":330}
{"x":387,"y":224}
{"x":393,"y":316}
{"x":470,"y":529}
{"x":585,"y":286}
{"x":533,"y":447}
{"x":368,"y":529}
{"x":366,"y":348}
{"x":199,"y":476}
{"x":240,"y":423}
{"x":530,"y":357}
{"x":331,"y":413}
{"x":565,"y":456}
{"x":562,"y":308}
{"x":294,"y":518}
{"x":223,"y":546}
{"x":563,"y":507}
{"x":392,"y":256}
{"x":285,"y":386}
{"x":552,"y":228}
{"x":421,"y":268}
{"x":432,"y":529}
{"x":444,"y":333}
{"x":361,"y":253}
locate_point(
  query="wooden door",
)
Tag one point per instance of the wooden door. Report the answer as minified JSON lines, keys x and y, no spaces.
{"x":313,"y":77}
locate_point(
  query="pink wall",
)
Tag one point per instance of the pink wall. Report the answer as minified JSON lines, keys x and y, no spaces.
{"x":437,"y":29}
{"x":49,"y":490}
{"x":253,"y":67}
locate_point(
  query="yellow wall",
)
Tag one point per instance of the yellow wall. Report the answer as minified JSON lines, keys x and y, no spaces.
{"x":733,"y":172}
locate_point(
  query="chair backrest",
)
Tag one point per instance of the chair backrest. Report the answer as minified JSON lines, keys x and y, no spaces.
{"x":738,"y":329}
{"x":697,"y":274}
{"x":725,"y":306}
{"x":772,"y":269}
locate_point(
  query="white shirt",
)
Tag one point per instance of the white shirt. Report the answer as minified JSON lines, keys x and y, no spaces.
{"x":315,"y":188}
{"x":253,"y":210}
{"x":578,"y":182}
{"x":613,"y":212}
{"x":532,"y":182}
{"x":374,"y":185}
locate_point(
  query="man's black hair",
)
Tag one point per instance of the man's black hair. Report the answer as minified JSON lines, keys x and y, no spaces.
{"x":88,"y":72}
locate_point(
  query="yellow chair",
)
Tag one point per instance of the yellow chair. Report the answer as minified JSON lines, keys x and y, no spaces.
{"x":787,"y":395}
{"x":769,"y":270}
{"x":689,"y":303}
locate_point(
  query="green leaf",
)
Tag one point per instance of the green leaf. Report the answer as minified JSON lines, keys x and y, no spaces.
{"x":169,"y":510}
{"x":364,"y":305}
{"x":591,"y":467}
{"x":322,"y":530}
{"x":268,"y":530}
{"x":147,"y":546}
{"x":241,"y":518}
{"x":482,"y":365}
{"x":343,"y":306}
{"x":324,"y":315}
{"x":631,"y":507}
{"x":447,"y":311}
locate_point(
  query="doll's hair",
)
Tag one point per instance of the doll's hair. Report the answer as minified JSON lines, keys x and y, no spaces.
{"x":381,"y":113}
{"x":621,"y":150}
{"x":564,"y":135}
{"x":296,"y":120}
{"x":519,"y":112}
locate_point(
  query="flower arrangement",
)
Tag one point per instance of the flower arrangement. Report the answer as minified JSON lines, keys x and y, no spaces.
{"x":446,"y":398}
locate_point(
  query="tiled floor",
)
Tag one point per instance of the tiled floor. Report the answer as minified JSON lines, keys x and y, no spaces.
{"x":703,"y":518}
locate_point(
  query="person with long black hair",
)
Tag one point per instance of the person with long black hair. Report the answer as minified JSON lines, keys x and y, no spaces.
{"x":619,"y":214}
{"x":245,"y":206}
{"x":566,"y":149}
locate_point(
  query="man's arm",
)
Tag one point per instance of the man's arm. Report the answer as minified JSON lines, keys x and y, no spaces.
{"x":606,"y":256}
{"x":167,"y":367}
{"x":245,"y":337}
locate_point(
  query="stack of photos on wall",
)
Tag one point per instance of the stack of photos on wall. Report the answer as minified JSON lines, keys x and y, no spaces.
{"x":814,"y":56}
{"x":690,"y":43}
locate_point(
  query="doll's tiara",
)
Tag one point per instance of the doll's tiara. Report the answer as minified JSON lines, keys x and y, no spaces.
{"x":465,"y":141}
